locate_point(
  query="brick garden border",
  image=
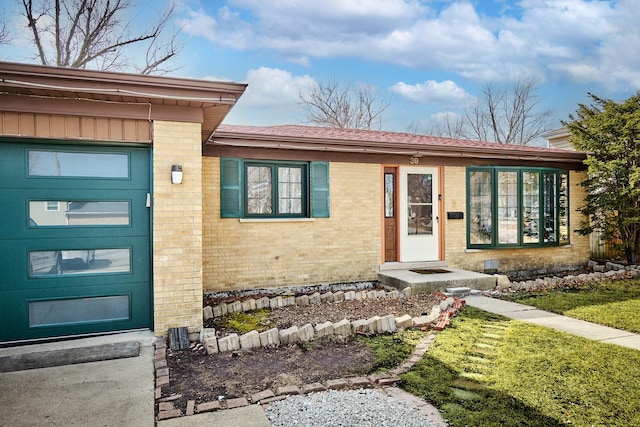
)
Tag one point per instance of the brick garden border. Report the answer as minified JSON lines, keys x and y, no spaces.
{"x":438,"y":319}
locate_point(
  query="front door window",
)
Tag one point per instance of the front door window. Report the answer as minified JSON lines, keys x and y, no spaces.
{"x":419,"y":204}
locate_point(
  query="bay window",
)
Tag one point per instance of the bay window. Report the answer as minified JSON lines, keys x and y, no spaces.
{"x":516,"y":207}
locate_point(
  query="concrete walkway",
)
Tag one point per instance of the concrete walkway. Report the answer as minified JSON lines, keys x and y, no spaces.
{"x":566,"y":324}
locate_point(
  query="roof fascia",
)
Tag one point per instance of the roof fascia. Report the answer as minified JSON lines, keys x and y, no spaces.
{"x":123,"y":84}
{"x":417,"y":150}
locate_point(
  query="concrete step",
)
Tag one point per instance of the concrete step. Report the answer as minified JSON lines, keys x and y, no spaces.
{"x":436,"y":282}
{"x":387,"y":266}
{"x":460,"y":291}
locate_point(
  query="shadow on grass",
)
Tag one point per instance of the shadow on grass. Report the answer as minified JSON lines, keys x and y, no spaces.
{"x":463,"y":402}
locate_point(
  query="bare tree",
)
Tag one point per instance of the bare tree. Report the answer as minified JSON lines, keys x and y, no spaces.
{"x":96,"y":33}
{"x":4,"y":33}
{"x":507,"y":115}
{"x":448,"y":124}
{"x":330,"y":105}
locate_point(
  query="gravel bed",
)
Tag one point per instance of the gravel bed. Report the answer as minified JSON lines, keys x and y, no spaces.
{"x":353,"y":408}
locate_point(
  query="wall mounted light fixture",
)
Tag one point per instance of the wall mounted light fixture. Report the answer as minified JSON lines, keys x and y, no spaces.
{"x":176,"y":174}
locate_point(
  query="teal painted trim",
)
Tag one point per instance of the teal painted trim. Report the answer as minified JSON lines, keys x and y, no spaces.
{"x":231,"y":188}
{"x":494,"y":205}
{"x":320,"y":200}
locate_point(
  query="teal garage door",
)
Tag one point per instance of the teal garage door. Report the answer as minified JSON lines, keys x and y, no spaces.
{"x":74,"y":240}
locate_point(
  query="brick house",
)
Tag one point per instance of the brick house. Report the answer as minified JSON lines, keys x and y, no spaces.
{"x":99,"y":235}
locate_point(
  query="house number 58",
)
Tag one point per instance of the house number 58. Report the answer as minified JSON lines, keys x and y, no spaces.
{"x":414,"y":161}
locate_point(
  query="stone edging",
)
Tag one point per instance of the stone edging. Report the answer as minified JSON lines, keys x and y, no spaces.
{"x":609,"y":271}
{"x":167,"y":409}
{"x":274,"y":337}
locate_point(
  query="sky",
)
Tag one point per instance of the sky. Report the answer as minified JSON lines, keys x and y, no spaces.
{"x":425,"y":58}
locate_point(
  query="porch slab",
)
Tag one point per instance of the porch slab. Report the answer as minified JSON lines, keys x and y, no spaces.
{"x":436,"y":281}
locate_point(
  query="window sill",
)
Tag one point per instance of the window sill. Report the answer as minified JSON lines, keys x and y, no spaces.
{"x":477,"y":250}
{"x":277,"y":219}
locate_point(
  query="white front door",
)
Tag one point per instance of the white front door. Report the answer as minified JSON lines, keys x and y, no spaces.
{"x":419,"y":231}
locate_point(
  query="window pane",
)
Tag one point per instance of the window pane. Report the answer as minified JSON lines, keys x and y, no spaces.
{"x":389,"y":195}
{"x":507,"y":207}
{"x":86,"y":261}
{"x":78,"y":310}
{"x":259,"y":190}
{"x":563,"y":208}
{"x":420,"y":204}
{"x":531,"y":207}
{"x":93,"y":165}
{"x":52,"y":206}
{"x":289,"y":190}
{"x":480,"y":207}
{"x":78,"y":213}
{"x":550,"y":208}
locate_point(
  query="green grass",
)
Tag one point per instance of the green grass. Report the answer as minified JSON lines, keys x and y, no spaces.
{"x":614,"y":304}
{"x":486,"y":370}
{"x":256,"y":320}
{"x":390,"y":351}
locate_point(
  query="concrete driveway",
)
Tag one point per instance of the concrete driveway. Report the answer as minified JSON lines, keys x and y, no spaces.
{"x":118,"y":392}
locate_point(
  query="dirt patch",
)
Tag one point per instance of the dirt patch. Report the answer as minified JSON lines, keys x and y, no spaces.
{"x":197,"y":376}
{"x":203,"y":378}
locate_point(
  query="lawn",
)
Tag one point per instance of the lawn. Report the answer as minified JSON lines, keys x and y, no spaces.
{"x":614,"y":304}
{"x":486,"y":370}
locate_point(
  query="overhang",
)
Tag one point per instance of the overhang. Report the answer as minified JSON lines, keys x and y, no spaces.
{"x":154,"y":97}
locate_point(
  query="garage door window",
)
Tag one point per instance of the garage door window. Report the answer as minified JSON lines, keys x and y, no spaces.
{"x":78,"y":310}
{"x":77,"y":164}
{"x":84,"y":261}
{"x":78,"y":213}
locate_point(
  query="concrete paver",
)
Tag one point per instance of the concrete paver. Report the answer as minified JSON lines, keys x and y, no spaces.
{"x":566,"y":324}
{"x":246,"y":416}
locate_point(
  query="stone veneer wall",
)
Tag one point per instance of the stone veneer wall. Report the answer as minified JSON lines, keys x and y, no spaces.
{"x":343,"y":248}
{"x":177,"y":227}
{"x":511,"y":259}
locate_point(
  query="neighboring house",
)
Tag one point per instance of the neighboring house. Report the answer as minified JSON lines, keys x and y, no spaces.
{"x":601,"y":249}
{"x":558,"y":138}
{"x":256,"y":207}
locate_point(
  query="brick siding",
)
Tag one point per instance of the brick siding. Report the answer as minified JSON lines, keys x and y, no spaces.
{"x":344,"y":247}
{"x":177,"y":227}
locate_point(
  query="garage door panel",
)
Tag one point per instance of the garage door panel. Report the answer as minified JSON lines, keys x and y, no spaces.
{"x":75,"y":310}
{"x":77,"y":167}
{"x":65,"y":214}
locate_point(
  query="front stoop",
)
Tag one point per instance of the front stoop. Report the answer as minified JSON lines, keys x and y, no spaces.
{"x":436,"y":282}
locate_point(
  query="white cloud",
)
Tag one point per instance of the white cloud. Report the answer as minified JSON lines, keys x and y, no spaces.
{"x":576,"y":40}
{"x":272,"y":87}
{"x":272,"y":96}
{"x":445,"y":93}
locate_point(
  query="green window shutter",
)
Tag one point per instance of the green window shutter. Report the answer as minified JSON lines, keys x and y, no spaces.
{"x":320,"y":189}
{"x":230,"y":188}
